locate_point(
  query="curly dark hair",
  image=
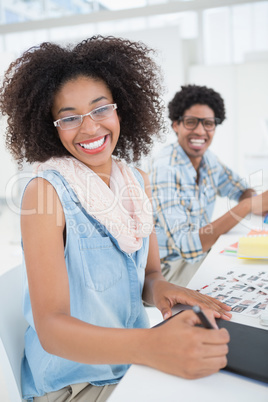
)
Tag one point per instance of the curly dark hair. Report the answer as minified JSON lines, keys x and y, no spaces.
{"x":190,"y":95}
{"x":32,"y":80}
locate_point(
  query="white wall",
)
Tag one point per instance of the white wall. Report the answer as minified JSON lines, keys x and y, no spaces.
{"x":252,"y":112}
{"x":167,"y":41}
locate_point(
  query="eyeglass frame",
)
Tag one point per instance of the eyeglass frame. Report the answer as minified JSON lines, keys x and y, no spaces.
{"x":217,"y":121}
{"x":57,"y":122}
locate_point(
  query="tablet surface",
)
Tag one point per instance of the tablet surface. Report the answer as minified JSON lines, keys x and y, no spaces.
{"x":248,"y":350}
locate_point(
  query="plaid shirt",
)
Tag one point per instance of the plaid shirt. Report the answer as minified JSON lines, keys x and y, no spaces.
{"x":181,"y":206}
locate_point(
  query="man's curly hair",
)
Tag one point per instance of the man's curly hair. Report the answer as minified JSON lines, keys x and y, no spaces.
{"x":32,"y":80}
{"x":190,"y":95}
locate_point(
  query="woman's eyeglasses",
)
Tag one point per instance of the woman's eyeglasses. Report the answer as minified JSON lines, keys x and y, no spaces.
{"x":98,"y":114}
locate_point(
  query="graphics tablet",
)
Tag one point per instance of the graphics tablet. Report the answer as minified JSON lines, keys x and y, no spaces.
{"x":248,"y":350}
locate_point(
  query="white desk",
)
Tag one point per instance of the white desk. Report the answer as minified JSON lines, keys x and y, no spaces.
{"x":144,"y":384}
{"x":217,"y":264}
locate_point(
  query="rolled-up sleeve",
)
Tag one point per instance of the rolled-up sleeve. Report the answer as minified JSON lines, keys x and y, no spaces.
{"x":230,"y":184}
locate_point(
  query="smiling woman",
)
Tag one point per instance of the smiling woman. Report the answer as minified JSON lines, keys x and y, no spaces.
{"x":91,"y":128}
{"x":135,"y":89}
{"x":90,"y":252}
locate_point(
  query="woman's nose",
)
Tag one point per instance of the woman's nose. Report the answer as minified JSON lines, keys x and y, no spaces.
{"x":89,"y":125}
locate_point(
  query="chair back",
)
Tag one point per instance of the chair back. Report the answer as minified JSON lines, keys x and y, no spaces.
{"x":12,"y":329}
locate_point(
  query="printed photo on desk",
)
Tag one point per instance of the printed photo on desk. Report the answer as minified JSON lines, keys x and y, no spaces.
{"x":245,"y":289}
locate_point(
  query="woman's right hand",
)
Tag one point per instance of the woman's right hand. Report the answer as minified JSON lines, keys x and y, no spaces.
{"x":180,"y":348}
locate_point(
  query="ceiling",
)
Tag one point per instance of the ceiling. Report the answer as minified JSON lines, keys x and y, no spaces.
{"x":15,"y":11}
{"x":21,"y":15}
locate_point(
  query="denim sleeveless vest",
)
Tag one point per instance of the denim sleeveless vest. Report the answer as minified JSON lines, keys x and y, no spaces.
{"x":105,"y":289}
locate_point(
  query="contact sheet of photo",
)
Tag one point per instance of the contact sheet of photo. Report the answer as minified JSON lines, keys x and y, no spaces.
{"x":245,"y":291}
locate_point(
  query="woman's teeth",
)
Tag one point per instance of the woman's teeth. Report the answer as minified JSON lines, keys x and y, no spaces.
{"x":93,"y":145}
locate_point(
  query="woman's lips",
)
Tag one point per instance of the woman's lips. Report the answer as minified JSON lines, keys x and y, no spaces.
{"x":94,"y":146}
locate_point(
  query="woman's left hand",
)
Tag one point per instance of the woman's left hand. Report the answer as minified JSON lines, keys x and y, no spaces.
{"x":167,"y":295}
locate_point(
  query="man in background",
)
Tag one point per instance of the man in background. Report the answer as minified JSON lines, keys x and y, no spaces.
{"x":186,"y":177}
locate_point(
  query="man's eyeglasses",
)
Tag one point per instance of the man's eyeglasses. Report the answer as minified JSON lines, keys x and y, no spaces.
{"x":191,"y":122}
{"x":98,"y":114}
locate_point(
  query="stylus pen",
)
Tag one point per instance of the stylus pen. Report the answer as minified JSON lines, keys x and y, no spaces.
{"x":205,"y":322}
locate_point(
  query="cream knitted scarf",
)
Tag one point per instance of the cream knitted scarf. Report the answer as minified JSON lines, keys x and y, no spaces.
{"x":123,"y":208}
